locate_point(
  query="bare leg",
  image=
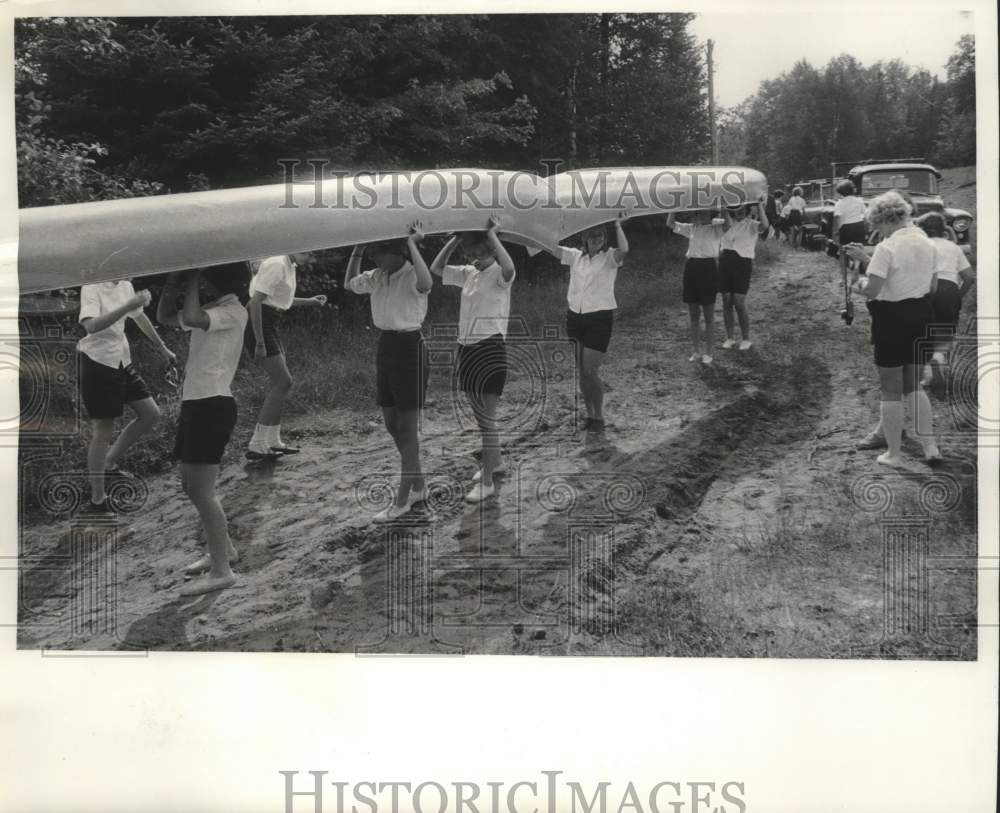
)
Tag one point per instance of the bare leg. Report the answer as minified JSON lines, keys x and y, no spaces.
{"x":581,"y":375}
{"x":694,"y":314}
{"x":279,"y":385}
{"x":709,"y":313}
{"x":97,"y":452}
{"x":198,"y":480}
{"x":485,"y":409}
{"x":147,"y":413}
{"x":408,"y":442}
{"x":591,"y":378}
{"x":740,"y":303}
{"x":727,"y":314}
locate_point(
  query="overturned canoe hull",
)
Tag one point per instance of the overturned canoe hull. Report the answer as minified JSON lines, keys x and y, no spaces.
{"x":76,"y":244}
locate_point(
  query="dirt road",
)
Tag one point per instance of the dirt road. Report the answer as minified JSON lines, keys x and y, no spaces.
{"x":724,"y":512}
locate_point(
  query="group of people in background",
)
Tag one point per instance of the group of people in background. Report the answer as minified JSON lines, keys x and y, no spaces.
{"x":915,"y":278}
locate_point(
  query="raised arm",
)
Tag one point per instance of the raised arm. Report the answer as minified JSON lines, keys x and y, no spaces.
{"x":762,"y":212}
{"x":621,"y":241}
{"x":441,"y":260}
{"x":166,"y":308}
{"x":503,"y":258}
{"x":424,"y":281}
{"x":193,"y":314}
{"x":353,"y":266}
{"x":671,"y":217}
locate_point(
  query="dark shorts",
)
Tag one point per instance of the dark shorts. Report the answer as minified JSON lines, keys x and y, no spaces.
{"x":270,"y":319}
{"x":591,"y":330}
{"x":734,"y":273}
{"x":900,"y":331}
{"x":204,"y":428}
{"x":853,"y":233}
{"x":795,"y":217}
{"x":401,"y":370}
{"x":105,"y":390}
{"x":947,"y":304}
{"x":701,"y":281}
{"x":482,"y":367}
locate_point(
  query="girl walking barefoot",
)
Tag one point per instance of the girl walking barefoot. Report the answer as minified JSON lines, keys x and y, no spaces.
{"x":739,"y":243}
{"x":590,"y":318}
{"x":398,"y":288}
{"x":482,"y":330}
{"x":208,"y":409}
{"x":701,"y":277}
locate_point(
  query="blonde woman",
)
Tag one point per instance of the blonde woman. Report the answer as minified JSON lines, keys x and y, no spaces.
{"x":898,"y":285}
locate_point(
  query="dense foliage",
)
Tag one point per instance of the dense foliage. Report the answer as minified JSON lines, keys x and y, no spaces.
{"x":800,"y":122}
{"x":112,"y":107}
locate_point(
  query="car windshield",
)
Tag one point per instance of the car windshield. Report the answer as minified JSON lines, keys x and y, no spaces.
{"x":914,"y":181}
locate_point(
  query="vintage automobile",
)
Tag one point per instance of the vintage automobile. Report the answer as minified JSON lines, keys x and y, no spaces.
{"x":917,"y":179}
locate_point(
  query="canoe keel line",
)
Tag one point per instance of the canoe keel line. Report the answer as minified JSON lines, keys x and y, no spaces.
{"x":76,"y":244}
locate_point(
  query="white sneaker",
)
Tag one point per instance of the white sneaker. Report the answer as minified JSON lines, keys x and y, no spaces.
{"x":728,"y":344}
{"x":706,"y":359}
{"x":694,"y":357}
{"x":392,"y":512}
{"x":479,"y":474}
{"x":746,"y":344}
{"x":480,"y":492}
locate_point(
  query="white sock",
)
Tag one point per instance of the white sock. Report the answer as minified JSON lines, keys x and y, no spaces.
{"x":923,"y":418}
{"x":259,"y":435}
{"x":276,"y":436}
{"x":892,"y":424}
{"x":270,"y":437}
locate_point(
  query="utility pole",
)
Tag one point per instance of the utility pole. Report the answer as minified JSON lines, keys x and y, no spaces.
{"x":711,"y":104}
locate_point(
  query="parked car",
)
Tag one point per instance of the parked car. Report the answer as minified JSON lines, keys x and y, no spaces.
{"x":919,"y":180}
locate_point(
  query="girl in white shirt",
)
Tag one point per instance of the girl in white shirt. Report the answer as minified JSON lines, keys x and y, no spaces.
{"x":796,"y":214}
{"x":272,"y":292}
{"x":898,"y":285}
{"x":590,"y":317}
{"x":954,"y":278}
{"x":109,"y":381}
{"x":398,"y":288}
{"x":208,"y":409}
{"x":482,"y":329}
{"x":739,"y":244}
{"x":701,"y":276}
{"x":849,"y":216}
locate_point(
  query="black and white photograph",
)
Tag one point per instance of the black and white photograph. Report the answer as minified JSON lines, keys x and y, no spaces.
{"x":654,"y":337}
{"x":315,"y":356}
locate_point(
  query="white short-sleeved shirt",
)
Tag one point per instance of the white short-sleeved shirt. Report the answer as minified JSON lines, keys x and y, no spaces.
{"x":905,"y":260}
{"x":396,"y":302}
{"x":797,"y":202}
{"x":276,"y":278}
{"x":591,"y":279}
{"x":850,"y":209}
{"x":703,"y":241}
{"x":108,"y":346}
{"x":485,"y":305}
{"x":214,"y":353}
{"x":950,"y":260}
{"x":741,"y":237}
{"x":786,"y":210}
